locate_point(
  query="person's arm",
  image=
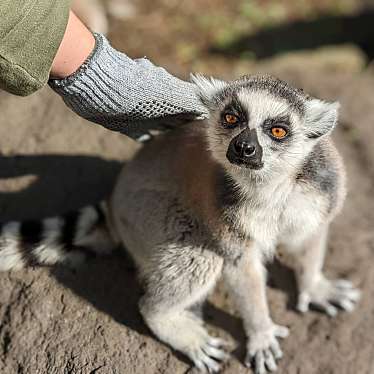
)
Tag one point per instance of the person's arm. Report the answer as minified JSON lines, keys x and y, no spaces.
{"x":30,"y":35}
{"x":95,"y":80}
{"x":76,"y":45}
{"x":133,"y":97}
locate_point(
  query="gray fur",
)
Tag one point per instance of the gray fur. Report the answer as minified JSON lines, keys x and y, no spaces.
{"x":276,"y":87}
{"x":228,"y":194}
{"x":320,"y":171}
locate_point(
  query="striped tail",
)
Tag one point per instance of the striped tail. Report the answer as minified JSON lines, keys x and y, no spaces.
{"x":67,"y":239}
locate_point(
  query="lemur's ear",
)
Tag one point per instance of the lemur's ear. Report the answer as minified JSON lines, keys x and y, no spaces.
{"x":207,"y":88}
{"x":320,"y":117}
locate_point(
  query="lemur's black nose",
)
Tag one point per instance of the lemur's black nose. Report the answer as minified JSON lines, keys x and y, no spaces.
{"x":244,"y":149}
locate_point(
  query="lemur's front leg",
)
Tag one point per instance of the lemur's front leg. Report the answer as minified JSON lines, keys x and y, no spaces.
{"x":314,"y":288}
{"x":246,"y":279}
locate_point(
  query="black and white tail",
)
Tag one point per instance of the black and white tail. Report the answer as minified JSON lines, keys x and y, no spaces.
{"x":68,"y":239}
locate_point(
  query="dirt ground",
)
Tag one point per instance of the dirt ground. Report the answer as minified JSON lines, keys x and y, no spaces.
{"x":86,"y":321}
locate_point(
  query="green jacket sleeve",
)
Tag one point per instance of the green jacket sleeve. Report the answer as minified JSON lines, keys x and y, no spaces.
{"x":30,"y":34}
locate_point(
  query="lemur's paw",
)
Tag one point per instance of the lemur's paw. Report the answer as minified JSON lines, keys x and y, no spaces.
{"x":263,"y":349}
{"x":205,"y":351}
{"x":328,"y":296}
{"x":186,"y":333}
{"x":208,"y":354}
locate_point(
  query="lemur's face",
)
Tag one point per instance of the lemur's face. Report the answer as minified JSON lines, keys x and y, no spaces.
{"x":263,"y":125}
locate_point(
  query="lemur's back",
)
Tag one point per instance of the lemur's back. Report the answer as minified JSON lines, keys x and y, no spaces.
{"x":158,"y":191}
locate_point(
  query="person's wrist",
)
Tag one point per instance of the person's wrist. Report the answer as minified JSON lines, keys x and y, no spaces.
{"x":77,"y":44}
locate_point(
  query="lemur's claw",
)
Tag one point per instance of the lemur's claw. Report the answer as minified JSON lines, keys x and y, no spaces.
{"x":329,"y":297}
{"x":209,"y":358}
{"x":264,"y":350}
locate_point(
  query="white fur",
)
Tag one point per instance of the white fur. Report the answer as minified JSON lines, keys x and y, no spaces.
{"x":207,"y":87}
{"x":10,"y":255}
{"x":48,"y":251}
{"x":321,"y":117}
{"x":262,"y":105}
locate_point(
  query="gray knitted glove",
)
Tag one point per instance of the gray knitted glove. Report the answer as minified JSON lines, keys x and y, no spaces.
{"x":131,"y":96}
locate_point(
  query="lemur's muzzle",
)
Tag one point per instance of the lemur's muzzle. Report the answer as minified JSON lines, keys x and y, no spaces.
{"x":245,"y":150}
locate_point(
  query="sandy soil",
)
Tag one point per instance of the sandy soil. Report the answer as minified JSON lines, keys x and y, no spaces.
{"x":86,"y":321}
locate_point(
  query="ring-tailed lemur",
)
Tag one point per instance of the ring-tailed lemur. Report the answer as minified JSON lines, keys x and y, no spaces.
{"x":217,"y":198}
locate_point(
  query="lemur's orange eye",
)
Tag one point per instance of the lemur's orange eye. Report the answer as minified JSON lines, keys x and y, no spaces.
{"x":278,"y":132}
{"x":231,"y":119}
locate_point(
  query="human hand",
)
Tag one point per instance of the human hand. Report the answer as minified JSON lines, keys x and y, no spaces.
{"x":133,"y":97}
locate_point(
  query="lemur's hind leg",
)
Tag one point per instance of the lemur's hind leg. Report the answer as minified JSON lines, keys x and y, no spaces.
{"x":175,"y":281}
{"x":314,"y":288}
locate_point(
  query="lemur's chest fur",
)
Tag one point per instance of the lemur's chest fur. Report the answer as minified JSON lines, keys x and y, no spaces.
{"x":269,"y":214}
{"x":278,"y":218}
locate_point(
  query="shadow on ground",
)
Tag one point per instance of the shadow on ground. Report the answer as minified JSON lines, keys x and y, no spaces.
{"x":328,"y":30}
{"x":110,"y":285}
{"x":59,"y":183}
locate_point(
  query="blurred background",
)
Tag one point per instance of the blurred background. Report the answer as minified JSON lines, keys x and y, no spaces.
{"x":218,"y":36}
{"x":86,"y":321}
